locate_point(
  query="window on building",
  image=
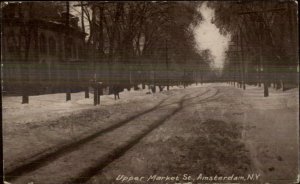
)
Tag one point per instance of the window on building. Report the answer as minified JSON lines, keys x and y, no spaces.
{"x":11,"y":42}
{"x":80,"y":52}
{"x":69,"y":48}
{"x":22,"y":43}
{"x":75,"y":53}
{"x":43,"y":44}
{"x":52,"y":46}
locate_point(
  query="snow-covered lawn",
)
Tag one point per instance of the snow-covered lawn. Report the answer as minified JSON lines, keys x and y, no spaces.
{"x":48,"y":121}
{"x":272,"y":132}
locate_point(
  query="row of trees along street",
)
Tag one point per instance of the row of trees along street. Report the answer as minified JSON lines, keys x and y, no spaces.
{"x":128,"y":43}
{"x":153,"y":43}
{"x":264,"y":47}
{"x":143,"y":43}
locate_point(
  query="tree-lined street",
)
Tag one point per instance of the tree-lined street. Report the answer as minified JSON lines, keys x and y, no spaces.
{"x":167,"y":92}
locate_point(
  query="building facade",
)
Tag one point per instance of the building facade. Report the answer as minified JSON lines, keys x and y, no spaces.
{"x":43,"y":48}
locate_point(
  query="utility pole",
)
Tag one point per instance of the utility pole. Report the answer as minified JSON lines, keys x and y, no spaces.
{"x":167,"y":64}
{"x":239,"y":63}
{"x":27,"y":28}
{"x":263,"y":68}
{"x":234,"y":57}
{"x":101,"y":46}
{"x":93,"y":27}
{"x":260,"y":64}
{"x":242,"y":60}
{"x":292,"y":20}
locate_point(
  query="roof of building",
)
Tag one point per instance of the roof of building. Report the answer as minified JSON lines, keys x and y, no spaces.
{"x":48,"y":15}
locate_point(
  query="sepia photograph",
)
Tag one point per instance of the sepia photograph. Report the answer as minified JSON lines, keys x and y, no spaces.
{"x":150,"y":92}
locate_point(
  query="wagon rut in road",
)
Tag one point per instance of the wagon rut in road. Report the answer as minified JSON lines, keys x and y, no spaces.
{"x":73,"y":162}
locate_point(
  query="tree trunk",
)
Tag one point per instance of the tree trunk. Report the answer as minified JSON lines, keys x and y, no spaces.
{"x":160,"y":88}
{"x":266,"y":89}
{"x":86,"y":93}
{"x":242,"y":61}
{"x":24,"y":65}
{"x":95,"y":95}
{"x":282,"y":84}
{"x":25,"y":99}
{"x":266,"y":79}
{"x":259,"y":76}
{"x":68,"y":94}
{"x":98,"y":97}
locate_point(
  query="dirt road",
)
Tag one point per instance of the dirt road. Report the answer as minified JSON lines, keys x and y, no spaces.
{"x":209,"y":130}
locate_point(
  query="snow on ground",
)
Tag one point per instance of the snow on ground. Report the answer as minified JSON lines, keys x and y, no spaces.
{"x":272,"y":132}
{"x":52,"y":106}
{"x":240,"y":132}
{"x":269,"y":128}
{"x":48,"y":120}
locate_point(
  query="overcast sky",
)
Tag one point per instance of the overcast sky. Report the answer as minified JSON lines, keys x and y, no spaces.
{"x":208,"y":36}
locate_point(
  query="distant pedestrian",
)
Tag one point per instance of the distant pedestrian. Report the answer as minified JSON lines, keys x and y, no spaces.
{"x":116,"y":89}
